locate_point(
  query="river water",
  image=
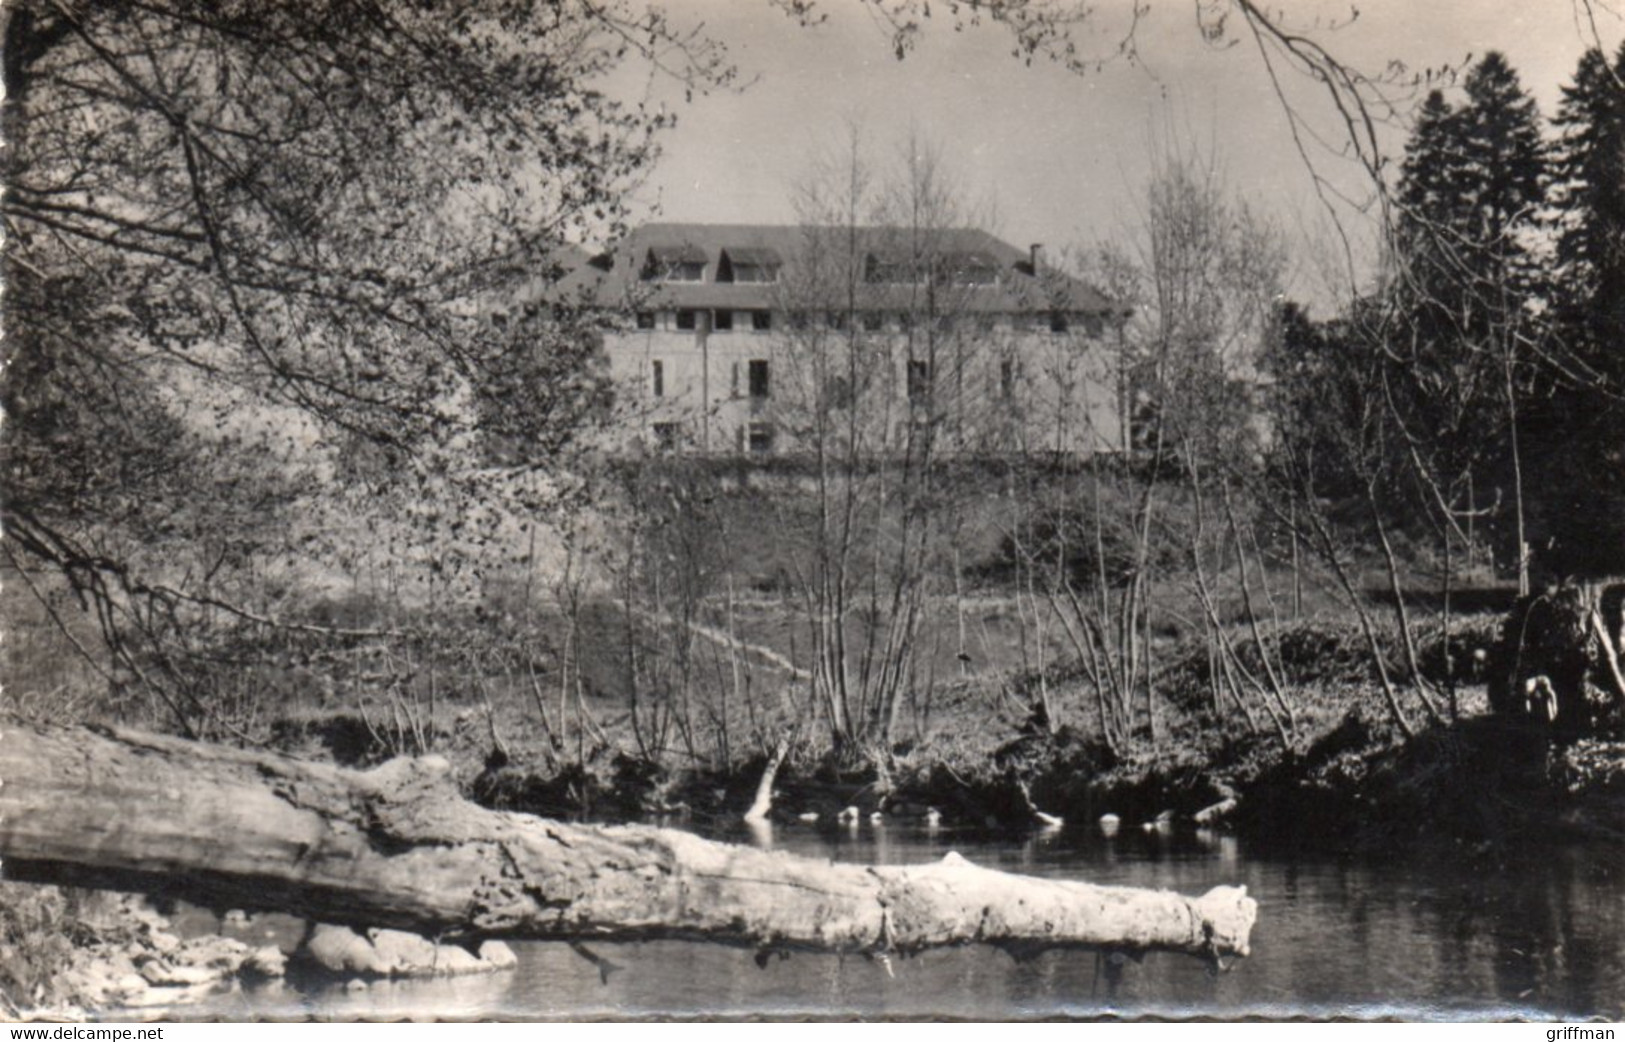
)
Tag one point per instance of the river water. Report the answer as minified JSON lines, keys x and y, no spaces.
{"x":1535,"y":932}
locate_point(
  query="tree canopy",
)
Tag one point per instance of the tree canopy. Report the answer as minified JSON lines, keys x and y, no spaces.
{"x":254,"y":246}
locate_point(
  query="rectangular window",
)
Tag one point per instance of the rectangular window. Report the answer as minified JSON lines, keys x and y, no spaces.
{"x":798,"y":320}
{"x":646,"y":319}
{"x":919,"y":379}
{"x":673,"y":269}
{"x":1007,"y":378}
{"x":659,"y":378}
{"x":836,"y":320}
{"x":685,"y":319}
{"x":685,"y":271}
{"x":1058,"y":322}
{"x":874,"y":321}
{"x":665,"y":436}
{"x":724,"y":321}
{"x":761,"y":321}
{"x":758,"y":378}
{"x":761,"y":438}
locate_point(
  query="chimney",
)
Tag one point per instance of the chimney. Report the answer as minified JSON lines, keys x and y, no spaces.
{"x":1035,"y":256}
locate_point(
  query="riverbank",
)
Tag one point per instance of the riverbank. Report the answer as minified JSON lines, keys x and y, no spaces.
{"x":1334,"y":774}
{"x":1330,"y":769}
{"x":71,"y":954}
{"x":1428,"y":933}
{"x":1351,"y":793}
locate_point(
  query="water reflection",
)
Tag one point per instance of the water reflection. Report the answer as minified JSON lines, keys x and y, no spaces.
{"x":1538,"y":933}
{"x":1225,"y":848}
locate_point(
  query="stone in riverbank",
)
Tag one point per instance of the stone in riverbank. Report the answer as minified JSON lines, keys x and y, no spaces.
{"x":394,"y":953}
{"x":137,"y":962}
{"x":140,"y":963}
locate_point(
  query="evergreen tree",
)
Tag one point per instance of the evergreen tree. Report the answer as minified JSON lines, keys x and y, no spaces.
{"x":1576,"y":436}
{"x":1502,"y":172}
{"x":1427,"y":196}
{"x":1465,"y":309}
{"x":1589,"y":192}
{"x":1471,"y":194}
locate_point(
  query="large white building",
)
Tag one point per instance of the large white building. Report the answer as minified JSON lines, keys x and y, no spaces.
{"x":758,"y":339}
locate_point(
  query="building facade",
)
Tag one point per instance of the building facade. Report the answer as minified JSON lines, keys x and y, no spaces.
{"x":785,"y":340}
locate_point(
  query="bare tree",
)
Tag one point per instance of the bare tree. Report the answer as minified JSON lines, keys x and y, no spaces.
{"x":1108,"y":541}
{"x":886,"y":370}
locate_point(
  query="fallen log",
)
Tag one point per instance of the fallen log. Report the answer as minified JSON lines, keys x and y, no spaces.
{"x":1213,"y":812}
{"x":397,"y":847}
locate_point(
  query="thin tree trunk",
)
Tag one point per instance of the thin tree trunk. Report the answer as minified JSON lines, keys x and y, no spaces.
{"x":763,"y":803}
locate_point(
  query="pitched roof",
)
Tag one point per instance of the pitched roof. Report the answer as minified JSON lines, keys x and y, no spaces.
{"x":677,"y":253}
{"x":801,"y":252}
{"x":759,"y":256}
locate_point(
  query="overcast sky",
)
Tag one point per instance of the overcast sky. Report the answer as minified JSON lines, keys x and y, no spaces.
{"x":1060,"y":157}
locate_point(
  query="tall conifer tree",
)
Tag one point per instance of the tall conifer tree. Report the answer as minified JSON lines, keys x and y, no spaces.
{"x":1589,"y":191}
{"x":1466,"y":308}
{"x":1578,"y":442}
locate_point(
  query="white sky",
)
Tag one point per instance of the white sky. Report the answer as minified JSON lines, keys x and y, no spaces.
{"x":1058,"y":156}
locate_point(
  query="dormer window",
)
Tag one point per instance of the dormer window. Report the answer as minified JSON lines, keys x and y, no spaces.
{"x":878,"y":269}
{"x":748,"y":264}
{"x":968,"y":269}
{"x":895,"y":267}
{"x":674,"y":264}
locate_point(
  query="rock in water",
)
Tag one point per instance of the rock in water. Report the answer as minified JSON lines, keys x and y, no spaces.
{"x":339,"y":949}
{"x":396,"y":953}
{"x":267,"y":962}
{"x":498,"y":955}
